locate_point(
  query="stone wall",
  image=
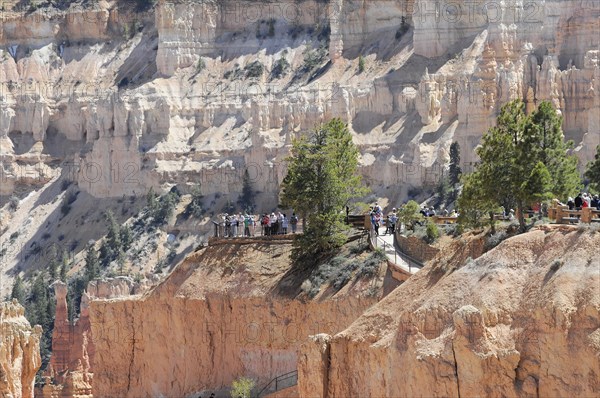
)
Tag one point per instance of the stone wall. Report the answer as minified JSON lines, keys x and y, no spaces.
{"x":416,"y":248}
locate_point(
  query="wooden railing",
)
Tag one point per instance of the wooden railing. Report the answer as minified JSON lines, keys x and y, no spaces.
{"x":562,"y":215}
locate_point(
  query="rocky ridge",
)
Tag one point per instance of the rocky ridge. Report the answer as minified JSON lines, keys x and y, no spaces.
{"x":121,"y":95}
{"x":19,"y":351}
{"x":521,"y":320}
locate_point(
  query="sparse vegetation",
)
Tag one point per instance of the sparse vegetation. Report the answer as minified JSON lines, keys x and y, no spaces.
{"x":194,"y":208}
{"x":254,"y":69}
{"x":593,"y":171}
{"x":13,"y":203}
{"x":404,"y":26}
{"x":68,"y":200}
{"x":338,"y":271}
{"x":280,"y":68}
{"x":313,"y":58}
{"x":361,"y":64}
{"x":242,"y":387}
{"x":556,"y":265}
{"x":432,"y":233}
{"x":409,"y":214}
{"x":200,"y":65}
{"x":495,"y":239}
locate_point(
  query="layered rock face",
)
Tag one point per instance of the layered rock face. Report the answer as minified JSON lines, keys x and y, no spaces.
{"x":226,"y":312}
{"x":70,"y":372}
{"x":19,"y":351}
{"x":131,"y":101}
{"x":521,"y":320}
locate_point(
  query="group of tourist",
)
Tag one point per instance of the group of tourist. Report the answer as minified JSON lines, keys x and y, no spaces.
{"x":278,"y":224}
{"x":244,"y":225}
{"x":391,"y":221}
{"x":584,"y":200}
{"x":430,"y":212}
{"x":377,"y":220}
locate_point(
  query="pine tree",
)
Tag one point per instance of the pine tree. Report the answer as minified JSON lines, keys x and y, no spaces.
{"x":321,"y":179}
{"x":92,"y":264}
{"x":543,"y":141}
{"x":524,"y":160}
{"x":113,"y":237}
{"x":473,"y":204}
{"x":126,"y":237}
{"x":53,"y":268}
{"x":246,"y":200}
{"x":194,"y":208}
{"x":409,"y":214}
{"x":454,"y":171}
{"x":121,"y":261}
{"x":361,"y":64}
{"x":593,"y":171}
{"x":18,"y":291}
{"x":40,"y":311}
{"x":64,"y":268}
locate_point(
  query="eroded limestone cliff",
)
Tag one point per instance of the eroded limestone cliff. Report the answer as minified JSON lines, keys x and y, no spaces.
{"x":205,"y":90}
{"x":71,"y":371}
{"x":521,"y":320}
{"x":227,"y":311}
{"x":19,"y":351}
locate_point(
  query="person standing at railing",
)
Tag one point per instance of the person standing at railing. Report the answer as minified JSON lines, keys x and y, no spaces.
{"x":579,"y":201}
{"x":393,"y":221}
{"x":377,"y":223}
{"x":284,"y":224}
{"x":294,"y":222}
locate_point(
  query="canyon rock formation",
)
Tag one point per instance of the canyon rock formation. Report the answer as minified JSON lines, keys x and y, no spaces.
{"x":19,"y":352}
{"x":121,"y":101}
{"x":521,"y":320}
{"x":70,"y":372}
{"x":227,"y":311}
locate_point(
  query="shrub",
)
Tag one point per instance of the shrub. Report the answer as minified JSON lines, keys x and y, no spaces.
{"x":402,"y":29}
{"x":341,"y":278}
{"x":370,"y":266}
{"x":556,"y":265}
{"x":69,"y":198}
{"x":336,"y":262}
{"x":200,"y":65}
{"x":359,"y":248}
{"x":313,"y":58}
{"x":13,"y":203}
{"x":254,"y":69}
{"x":432,"y":233}
{"x":242,"y":387}
{"x":233,"y":74}
{"x":194,"y":208}
{"x":495,"y":239}
{"x":361,"y":64}
{"x":281,"y":68}
{"x":271,"y":24}
{"x":379,"y":254}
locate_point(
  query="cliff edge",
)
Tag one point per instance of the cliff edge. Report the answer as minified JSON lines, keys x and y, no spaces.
{"x":521,"y":320}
